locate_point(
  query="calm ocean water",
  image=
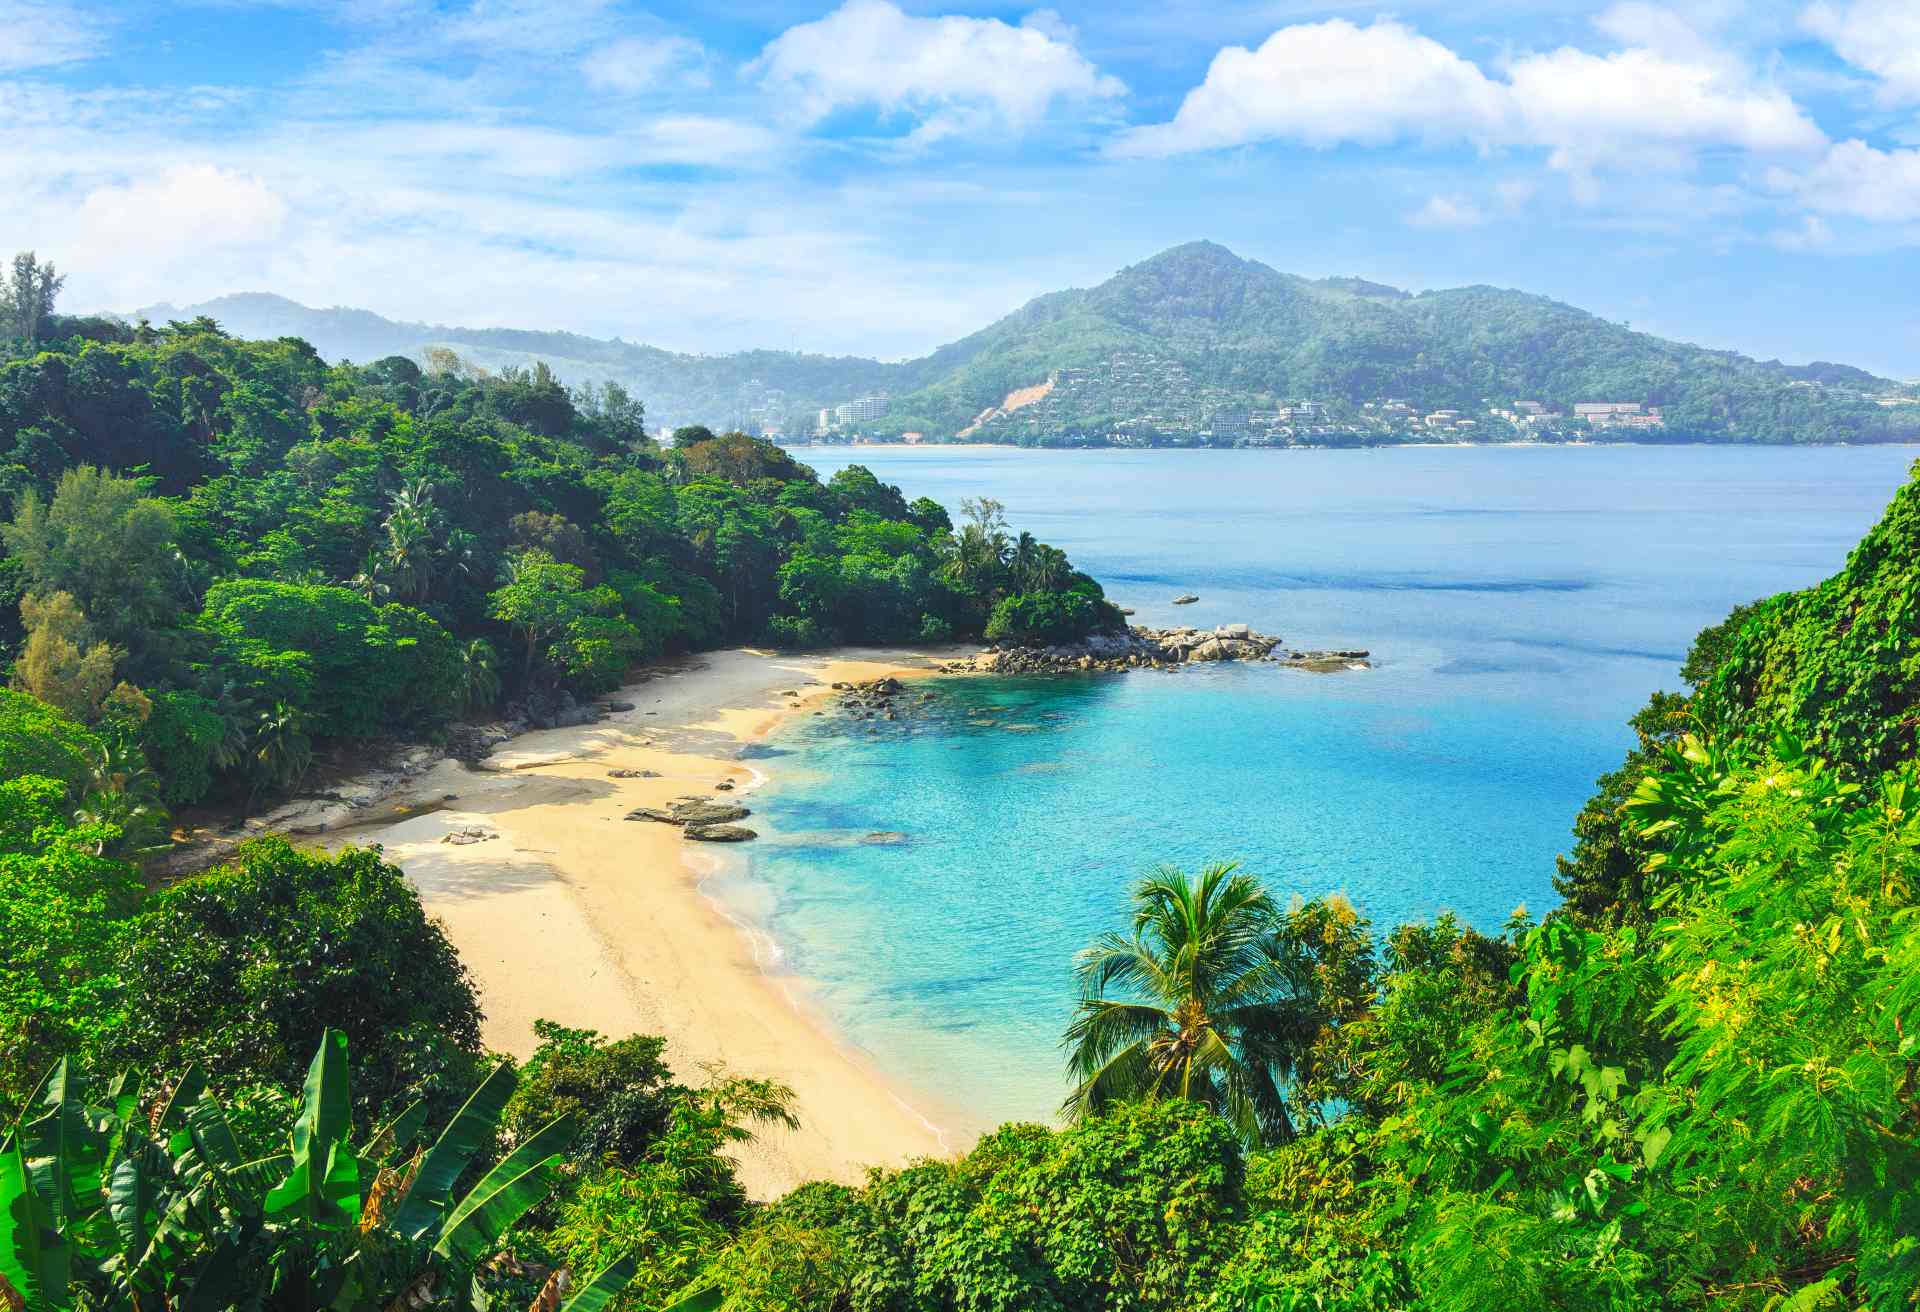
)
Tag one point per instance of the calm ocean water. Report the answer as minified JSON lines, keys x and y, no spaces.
{"x":1520,"y":604}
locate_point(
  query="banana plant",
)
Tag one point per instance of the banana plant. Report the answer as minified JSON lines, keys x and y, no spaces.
{"x":146,"y":1199}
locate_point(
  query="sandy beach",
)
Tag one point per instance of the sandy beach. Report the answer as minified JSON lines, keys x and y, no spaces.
{"x":574,"y":914}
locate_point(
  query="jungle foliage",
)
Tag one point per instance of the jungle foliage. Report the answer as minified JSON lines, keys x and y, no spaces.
{"x":230,"y":556}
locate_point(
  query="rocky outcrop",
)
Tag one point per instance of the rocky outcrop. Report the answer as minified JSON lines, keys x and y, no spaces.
{"x":1145,"y":648}
{"x":693,"y":812}
{"x":720,"y":833}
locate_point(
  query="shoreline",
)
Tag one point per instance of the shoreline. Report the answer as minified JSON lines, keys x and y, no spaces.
{"x":563,"y":910}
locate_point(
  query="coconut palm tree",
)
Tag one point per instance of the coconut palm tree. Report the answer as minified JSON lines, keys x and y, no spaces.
{"x":406,"y":558}
{"x":1201,"y":1001}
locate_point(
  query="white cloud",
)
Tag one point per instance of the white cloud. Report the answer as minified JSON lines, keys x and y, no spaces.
{"x":198,"y":205}
{"x":1860,"y":181}
{"x":957,"y":75}
{"x":1331,"y":83}
{"x":1592,"y":105}
{"x":44,"y":34}
{"x":634,"y":65}
{"x":1813,"y":234}
{"x":1447,"y":212}
{"x":1880,"y":36}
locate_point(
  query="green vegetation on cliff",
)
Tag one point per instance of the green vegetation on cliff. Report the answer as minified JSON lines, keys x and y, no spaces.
{"x":230,"y":555}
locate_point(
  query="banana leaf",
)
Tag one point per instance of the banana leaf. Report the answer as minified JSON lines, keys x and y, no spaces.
{"x":324,"y":1185}
{"x":551,"y":1139}
{"x":705,"y":1300}
{"x":173,"y":1116}
{"x":131,"y":1200}
{"x":212,"y":1135}
{"x":490,"y":1217}
{"x":34,"y":1257}
{"x":602,"y":1289}
{"x":465,"y":1135}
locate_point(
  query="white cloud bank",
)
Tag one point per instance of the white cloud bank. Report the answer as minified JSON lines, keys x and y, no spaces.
{"x":1334,"y":83}
{"x":1879,"y":36}
{"x":955,"y":74}
{"x":1858,"y":181}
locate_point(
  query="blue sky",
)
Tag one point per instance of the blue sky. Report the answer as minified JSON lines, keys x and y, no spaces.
{"x":880,"y":176}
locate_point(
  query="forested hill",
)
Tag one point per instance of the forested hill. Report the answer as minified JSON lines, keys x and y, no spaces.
{"x":718,"y":390}
{"x":228,"y":555}
{"x":1192,"y":339}
{"x":1191,"y":345}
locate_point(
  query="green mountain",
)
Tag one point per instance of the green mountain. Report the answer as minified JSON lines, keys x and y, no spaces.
{"x":1197,"y":331}
{"x":1197,"y":344}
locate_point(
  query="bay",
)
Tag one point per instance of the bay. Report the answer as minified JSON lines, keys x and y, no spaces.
{"x":1520,"y":603}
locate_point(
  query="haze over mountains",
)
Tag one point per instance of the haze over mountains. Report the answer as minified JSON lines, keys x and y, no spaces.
{"x":1188,"y":342}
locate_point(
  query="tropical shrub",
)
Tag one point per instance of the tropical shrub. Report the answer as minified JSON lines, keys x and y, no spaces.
{"x":37,"y":739}
{"x":62,"y":912}
{"x":128,"y":1196}
{"x":238,"y":970}
{"x":1040,"y":617}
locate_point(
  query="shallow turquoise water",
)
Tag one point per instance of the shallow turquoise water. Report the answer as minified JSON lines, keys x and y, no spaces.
{"x":1521,"y":603}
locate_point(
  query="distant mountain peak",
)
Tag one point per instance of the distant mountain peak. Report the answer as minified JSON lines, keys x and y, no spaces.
{"x":1193,"y":332}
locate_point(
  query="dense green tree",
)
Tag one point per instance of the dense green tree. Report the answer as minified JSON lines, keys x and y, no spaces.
{"x":26,"y":304}
{"x":107,"y":544}
{"x":544,"y":601}
{"x":347,"y":668}
{"x":242,"y":968}
{"x":37,"y":739}
{"x":62,"y":908}
{"x":621,"y":1093}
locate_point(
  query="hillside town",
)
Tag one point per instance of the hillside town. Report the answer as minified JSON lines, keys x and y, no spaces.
{"x":1145,"y":398}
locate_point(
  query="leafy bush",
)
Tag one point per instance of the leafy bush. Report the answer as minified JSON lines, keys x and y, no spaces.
{"x":36,"y":739}
{"x":352,"y":670}
{"x":621,"y":1094}
{"x":62,"y":912}
{"x":240,"y":969}
{"x":182,"y":737}
{"x":144,"y":1196}
{"x":1043,"y":617}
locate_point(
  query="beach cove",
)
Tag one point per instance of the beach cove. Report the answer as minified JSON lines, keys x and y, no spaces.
{"x":562,"y":909}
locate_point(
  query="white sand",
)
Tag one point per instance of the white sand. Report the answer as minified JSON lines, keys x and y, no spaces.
{"x":579,"y":916}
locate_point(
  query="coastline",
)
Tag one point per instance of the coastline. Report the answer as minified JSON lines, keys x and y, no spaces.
{"x":563,"y":910}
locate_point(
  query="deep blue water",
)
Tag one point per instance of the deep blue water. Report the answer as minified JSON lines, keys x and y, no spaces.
{"x":1520,"y":604}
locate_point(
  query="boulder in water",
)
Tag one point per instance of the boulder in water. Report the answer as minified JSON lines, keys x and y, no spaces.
{"x":720,"y":833}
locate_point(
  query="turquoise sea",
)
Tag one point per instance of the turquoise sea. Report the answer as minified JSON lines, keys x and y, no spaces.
{"x":1520,"y":603}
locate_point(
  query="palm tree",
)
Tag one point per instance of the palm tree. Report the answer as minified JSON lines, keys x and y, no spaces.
{"x":281,"y":750}
{"x":1210,"y":1008}
{"x":122,"y":792}
{"x":406,"y":558}
{"x":479,"y":675}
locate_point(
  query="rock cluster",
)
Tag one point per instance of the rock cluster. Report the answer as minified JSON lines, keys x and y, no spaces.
{"x":875,"y":699}
{"x":702,"y":818}
{"x":1145,"y":648}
